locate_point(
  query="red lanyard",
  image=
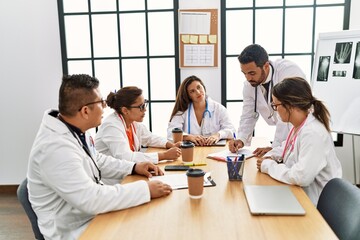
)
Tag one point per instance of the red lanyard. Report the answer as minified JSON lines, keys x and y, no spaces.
{"x":129,"y":133}
{"x":292,"y":142}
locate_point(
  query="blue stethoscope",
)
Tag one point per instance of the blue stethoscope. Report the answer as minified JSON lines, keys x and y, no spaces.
{"x":203,"y":116}
{"x":256,"y":113}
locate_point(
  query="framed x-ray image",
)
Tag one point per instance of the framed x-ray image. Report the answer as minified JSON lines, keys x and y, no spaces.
{"x":356,"y":73}
{"x":323,"y":70}
{"x":343,"y":52}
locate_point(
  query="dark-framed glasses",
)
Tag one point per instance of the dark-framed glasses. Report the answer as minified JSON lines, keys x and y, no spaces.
{"x":142,"y":107}
{"x":102,"y":101}
{"x":275,"y":106}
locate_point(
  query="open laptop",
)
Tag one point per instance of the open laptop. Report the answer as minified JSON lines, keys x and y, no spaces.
{"x":272,"y":200}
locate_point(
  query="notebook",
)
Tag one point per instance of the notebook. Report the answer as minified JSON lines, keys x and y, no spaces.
{"x":272,"y":200}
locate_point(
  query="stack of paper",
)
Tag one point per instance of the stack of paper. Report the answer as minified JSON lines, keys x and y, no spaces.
{"x":221,"y":156}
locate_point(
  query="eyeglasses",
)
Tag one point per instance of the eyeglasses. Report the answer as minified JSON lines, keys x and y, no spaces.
{"x":275,"y":106}
{"x":102,"y":101}
{"x":142,"y":106}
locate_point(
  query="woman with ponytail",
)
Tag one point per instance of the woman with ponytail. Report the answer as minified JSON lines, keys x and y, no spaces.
{"x":307,"y":158}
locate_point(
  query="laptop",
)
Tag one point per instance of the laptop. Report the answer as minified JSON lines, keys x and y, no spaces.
{"x":272,"y":200}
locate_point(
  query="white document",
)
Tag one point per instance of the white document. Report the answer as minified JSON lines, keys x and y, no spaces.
{"x":179,"y":181}
{"x":221,"y":156}
{"x":199,"y":55}
{"x":195,"y":22}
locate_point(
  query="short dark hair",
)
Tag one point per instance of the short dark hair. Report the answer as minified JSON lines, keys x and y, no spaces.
{"x":125,"y":97}
{"x":254,"y":53}
{"x":76,"y":91}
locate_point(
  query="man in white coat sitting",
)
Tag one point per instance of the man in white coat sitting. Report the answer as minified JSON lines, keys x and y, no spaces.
{"x":64,"y":172}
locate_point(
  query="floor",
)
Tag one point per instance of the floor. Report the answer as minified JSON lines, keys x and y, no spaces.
{"x":14,"y":223}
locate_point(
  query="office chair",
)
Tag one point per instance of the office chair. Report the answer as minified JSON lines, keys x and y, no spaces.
{"x":23,"y":196}
{"x":339,"y":204}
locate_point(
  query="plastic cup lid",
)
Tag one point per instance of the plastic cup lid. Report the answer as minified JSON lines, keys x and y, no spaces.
{"x":195,"y":172}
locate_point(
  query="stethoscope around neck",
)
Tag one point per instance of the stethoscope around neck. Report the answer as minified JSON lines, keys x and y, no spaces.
{"x":203,"y":115}
{"x":256,"y":113}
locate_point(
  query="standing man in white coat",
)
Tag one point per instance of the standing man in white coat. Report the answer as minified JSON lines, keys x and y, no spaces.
{"x":261,"y":75}
{"x":64,"y":173}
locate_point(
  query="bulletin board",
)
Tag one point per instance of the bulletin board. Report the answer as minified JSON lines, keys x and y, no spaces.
{"x":198,"y":37}
{"x":336,"y":78}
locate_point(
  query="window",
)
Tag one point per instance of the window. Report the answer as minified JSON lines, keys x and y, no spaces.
{"x":285,"y":28}
{"x":125,"y":43}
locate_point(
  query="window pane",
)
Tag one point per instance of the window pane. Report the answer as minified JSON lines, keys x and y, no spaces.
{"x":299,"y":2}
{"x":80,"y":67}
{"x":101,"y":5}
{"x":161,"y":39}
{"x":127,"y":5}
{"x":235,"y":79}
{"x":324,"y":23}
{"x":75,"y":6}
{"x":135,"y":74}
{"x":237,"y":3}
{"x":77,"y":36}
{"x":162,"y":76}
{"x":304,"y":62}
{"x":160,"y":117}
{"x":133,"y":35}
{"x":105,"y":39}
{"x":239,"y":31}
{"x":298,"y":34}
{"x":107,"y":71}
{"x":269,"y":29}
{"x":330,"y":1}
{"x":235,"y":110}
{"x":160,"y":4}
{"x":264,"y":3}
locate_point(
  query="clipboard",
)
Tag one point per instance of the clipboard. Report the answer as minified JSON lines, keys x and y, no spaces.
{"x":179,"y":181}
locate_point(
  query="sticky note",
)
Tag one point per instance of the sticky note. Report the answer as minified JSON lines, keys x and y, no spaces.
{"x":194,"y":39}
{"x":203,"y":39}
{"x":185,"y":38}
{"x":212,"y":38}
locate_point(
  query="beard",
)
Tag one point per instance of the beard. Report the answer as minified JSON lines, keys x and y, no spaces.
{"x":262,"y":78}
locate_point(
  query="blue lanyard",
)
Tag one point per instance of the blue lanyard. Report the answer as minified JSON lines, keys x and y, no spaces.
{"x":203,"y":116}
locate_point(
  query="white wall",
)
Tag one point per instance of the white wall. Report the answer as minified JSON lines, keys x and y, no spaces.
{"x":210,"y":76}
{"x":30,"y":71}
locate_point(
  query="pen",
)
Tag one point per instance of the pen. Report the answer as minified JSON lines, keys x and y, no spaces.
{"x":194,"y":164}
{"x":236,"y":149}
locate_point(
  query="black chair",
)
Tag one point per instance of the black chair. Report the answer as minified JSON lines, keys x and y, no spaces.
{"x":339,"y":204}
{"x":23,"y":196}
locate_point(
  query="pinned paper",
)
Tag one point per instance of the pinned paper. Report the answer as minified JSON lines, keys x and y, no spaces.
{"x":185,"y":38}
{"x":212,"y":38}
{"x":194,"y":39}
{"x":203,"y":39}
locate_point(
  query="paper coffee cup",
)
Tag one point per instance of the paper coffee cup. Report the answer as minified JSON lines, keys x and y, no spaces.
{"x":187,"y":151}
{"x":195,"y":179}
{"x":177,"y":135}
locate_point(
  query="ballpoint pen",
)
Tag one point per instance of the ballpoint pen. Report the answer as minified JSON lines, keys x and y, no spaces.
{"x":194,"y":164}
{"x":236,"y":148}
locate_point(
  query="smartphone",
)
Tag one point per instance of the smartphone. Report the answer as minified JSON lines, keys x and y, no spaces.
{"x":176,"y":168}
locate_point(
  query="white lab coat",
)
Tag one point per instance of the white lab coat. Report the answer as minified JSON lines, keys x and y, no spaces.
{"x":312,"y":162}
{"x":218,"y":122}
{"x":111,"y":139}
{"x":282,"y":69}
{"x":62,"y":189}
